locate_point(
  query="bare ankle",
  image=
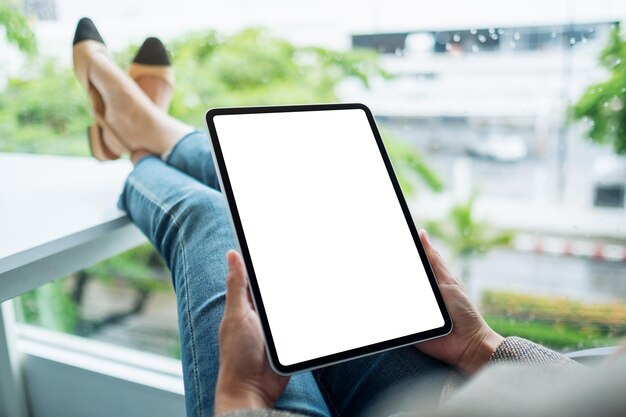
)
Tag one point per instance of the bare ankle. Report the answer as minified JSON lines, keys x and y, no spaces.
{"x":136,"y":156}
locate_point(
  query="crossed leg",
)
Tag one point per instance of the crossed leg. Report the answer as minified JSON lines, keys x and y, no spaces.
{"x":178,"y":206}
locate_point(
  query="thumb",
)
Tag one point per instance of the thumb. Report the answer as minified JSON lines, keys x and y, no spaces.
{"x":236,"y":285}
{"x":440,"y":269}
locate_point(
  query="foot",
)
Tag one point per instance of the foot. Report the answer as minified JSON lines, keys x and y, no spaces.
{"x":136,"y":120}
{"x":159,"y":91}
{"x":119,"y":102}
{"x":152,"y":71}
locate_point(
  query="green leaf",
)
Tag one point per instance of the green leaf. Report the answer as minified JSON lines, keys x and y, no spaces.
{"x":409,"y":165}
{"x":464,"y":234}
{"x":603,"y":104}
{"x":18,"y":31}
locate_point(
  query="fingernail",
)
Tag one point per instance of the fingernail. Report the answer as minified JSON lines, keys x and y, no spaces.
{"x":230,"y":259}
{"x":426,"y":237}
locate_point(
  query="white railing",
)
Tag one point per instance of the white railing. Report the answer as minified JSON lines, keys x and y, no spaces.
{"x":57,"y":215}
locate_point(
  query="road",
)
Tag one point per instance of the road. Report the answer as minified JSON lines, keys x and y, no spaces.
{"x":562,"y":276}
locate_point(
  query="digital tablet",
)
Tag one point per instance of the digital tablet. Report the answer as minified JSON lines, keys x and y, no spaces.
{"x":334,"y":262}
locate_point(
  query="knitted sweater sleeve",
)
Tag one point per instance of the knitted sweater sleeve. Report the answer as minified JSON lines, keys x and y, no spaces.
{"x":516,"y":349}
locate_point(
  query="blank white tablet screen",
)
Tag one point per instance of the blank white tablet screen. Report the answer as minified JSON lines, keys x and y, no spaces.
{"x":335,"y":261}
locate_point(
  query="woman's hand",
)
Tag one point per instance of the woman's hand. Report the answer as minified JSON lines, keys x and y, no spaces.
{"x":245,"y":380}
{"x":471,"y":342}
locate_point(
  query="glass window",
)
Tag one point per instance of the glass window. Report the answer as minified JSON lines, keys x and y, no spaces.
{"x":126,"y":300}
{"x":505,"y":124}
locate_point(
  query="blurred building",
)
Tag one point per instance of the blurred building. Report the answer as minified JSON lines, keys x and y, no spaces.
{"x":40,"y":9}
{"x":465,"y":85}
{"x":495,"y":39}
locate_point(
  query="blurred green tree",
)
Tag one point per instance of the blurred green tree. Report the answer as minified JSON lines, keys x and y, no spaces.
{"x":467,"y":236}
{"x":17,"y":30}
{"x":45,"y":113}
{"x":410,"y":167}
{"x":603,"y":104}
{"x":253,"y":67}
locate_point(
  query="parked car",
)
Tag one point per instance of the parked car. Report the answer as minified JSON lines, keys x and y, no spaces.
{"x":609,"y":182}
{"x":500,"y":148}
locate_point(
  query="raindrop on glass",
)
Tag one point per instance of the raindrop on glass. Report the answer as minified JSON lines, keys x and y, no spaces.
{"x":482,"y":38}
{"x":616,"y":104}
{"x":492,"y":31}
{"x":512,"y":44}
{"x":572,"y":40}
{"x":456,"y":37}
{"x":473,"y":31}
{"x":501,"y":31}
{"x":474,"y":48}
{"x":553,"y":34}
{"x":516,"y":36}
{"x":494,"y":36}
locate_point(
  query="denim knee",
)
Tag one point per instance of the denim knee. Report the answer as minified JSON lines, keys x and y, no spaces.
{"x":201,"y":207}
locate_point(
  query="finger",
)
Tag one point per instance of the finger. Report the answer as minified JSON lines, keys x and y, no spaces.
{"x":440,"y":269}
{"x":236,"y":285}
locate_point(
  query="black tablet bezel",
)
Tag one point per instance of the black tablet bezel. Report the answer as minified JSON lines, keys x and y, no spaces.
{"x":258,"y":301}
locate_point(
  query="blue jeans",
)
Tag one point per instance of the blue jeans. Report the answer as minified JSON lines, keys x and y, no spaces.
{"x":178,"y":206}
